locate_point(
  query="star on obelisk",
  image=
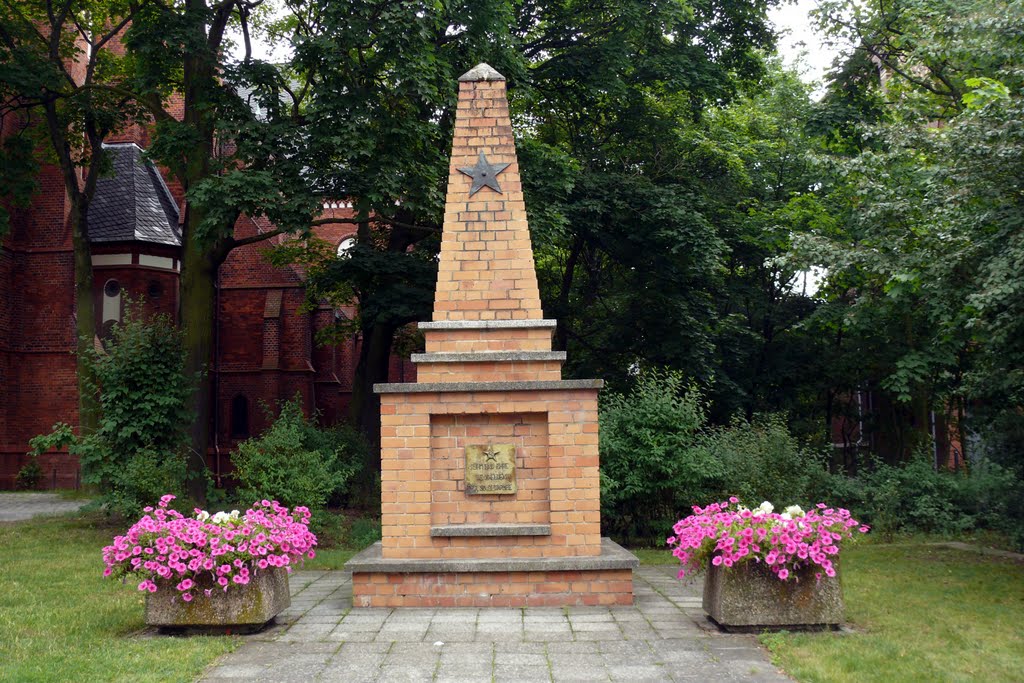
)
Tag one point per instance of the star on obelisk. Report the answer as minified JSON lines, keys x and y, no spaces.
{"x":484,"y":173}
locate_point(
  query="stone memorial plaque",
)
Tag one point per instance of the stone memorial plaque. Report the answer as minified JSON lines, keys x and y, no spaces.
{"x":491,"y":469}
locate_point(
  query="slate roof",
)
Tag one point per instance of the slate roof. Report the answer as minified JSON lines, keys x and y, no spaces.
{"x":133,"y":203}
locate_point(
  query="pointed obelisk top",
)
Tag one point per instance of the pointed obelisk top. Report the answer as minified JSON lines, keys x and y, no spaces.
{"x":485,"y":269}
{"x":481,"y":72}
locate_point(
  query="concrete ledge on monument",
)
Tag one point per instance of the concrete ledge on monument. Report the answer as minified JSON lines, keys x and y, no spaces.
{"x":613,"y":556}
{"x":489,"y":324}
{"x":491,"y":530}
{"x":487,"y":356}
{"x":451,"y":387}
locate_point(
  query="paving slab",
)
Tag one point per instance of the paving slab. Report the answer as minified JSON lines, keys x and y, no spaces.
{"x":664,"y":636}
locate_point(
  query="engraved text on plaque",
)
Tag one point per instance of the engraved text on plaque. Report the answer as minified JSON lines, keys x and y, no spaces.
{"x":491,"y":469}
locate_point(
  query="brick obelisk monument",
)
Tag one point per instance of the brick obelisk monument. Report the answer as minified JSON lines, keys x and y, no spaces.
{"x":489,"y":461}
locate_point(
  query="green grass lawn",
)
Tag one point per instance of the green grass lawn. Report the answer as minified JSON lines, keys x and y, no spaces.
{"x":329,"y":558}
{"x":923,"y":613}
{"x":60,"y":620}
{"x":654,"y":556}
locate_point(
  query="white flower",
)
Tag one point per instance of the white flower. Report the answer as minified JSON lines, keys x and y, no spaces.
{"x":765,"y":508}
{"x":220,"y":517}
{"x":786,"y":516}
{"x":234,"y":514}
{"x":203,"y":515}
{"x":795,"y":511}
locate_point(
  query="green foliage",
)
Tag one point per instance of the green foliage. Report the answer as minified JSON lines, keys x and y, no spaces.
{"x":30,"y":476}
{"x":659,"y":457}
{"x":136,"y":454}
{"x":914,"y":497}
{"x":603,"y":100}
{"x":920,"y":134}
{"x":363,"y":532}
{"x":761,"y":460}
{"x":650,"y":469}
{"x":296,"y":463}
{"x":18,"y":168}
{"x":993,"y":495}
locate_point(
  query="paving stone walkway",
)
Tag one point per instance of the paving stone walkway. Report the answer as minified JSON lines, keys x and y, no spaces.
{"x":662,"y":637}
{"x":15,"y":507}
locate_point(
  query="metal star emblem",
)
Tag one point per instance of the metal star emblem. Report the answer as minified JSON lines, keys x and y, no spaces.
{"x":484,"y":173}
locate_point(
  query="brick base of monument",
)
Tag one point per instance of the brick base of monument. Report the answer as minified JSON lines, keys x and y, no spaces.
{"x":606,"y":579}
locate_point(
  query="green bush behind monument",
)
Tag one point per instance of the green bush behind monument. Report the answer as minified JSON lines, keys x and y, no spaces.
{"x":296,"y":463}
{"x":659,"y":457}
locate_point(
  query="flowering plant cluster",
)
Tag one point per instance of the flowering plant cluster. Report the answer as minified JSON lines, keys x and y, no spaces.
{"x":208,"y":552}
{"x":728,"y":533}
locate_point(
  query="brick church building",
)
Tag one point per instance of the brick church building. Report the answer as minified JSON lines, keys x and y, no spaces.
{"x":264,"y":344}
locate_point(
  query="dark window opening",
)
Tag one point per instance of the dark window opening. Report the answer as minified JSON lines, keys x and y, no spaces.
{"x":239,"y":417}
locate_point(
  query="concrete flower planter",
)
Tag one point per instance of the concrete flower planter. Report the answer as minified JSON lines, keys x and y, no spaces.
{"x":749,"y":597}
{"x":241,"y":608}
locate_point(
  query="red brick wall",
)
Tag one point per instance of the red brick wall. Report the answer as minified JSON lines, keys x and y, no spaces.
{"x":6,"y":318}
{"x":408,"y":477}
{"x":38,"y":386}
{"x":449,"y":436}
{"x":494,"y":589}
{"x":136,"y":283}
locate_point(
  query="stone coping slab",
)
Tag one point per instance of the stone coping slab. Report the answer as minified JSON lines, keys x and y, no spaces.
{"x":613,"y":556}
{"x":486,"y":356}
{"x":481,"y":72}
{"x":488,"y":324}
{"x":470,"y":387}
{"x":491,"y":530}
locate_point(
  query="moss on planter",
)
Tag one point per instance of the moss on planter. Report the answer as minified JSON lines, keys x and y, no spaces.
{"x":251,"y":605}
{"x":748,"y":596}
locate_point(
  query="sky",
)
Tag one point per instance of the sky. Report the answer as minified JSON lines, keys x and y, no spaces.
{"x":800,"y":40}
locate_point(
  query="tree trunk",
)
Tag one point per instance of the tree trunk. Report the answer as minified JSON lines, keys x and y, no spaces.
{"x":85,"y":321}
{"x":198,"y":317}
{"x":85,"y":315}
{"x":561,"y":312}
{"x":201,"y":255}
{"x":373,"y":366}
{"x":364,"y":408}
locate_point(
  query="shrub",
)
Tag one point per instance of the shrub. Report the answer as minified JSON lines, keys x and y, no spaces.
{"x":137,"y":452}
{"x":296,"y":463}
{"x":914,"y":497}
{"x":649,"y":468}
{"x":761,"y":460}
{"x":994,"y":496}
{"x":29,"y":476}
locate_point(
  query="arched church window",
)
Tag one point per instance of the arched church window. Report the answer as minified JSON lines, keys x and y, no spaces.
{"x":110,"y":309}
{"x":345,"y":246}
{"x":239,"y":417}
